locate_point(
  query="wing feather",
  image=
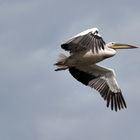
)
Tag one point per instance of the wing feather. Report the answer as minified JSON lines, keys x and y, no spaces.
{"x":84,"y":43}
{"x":101,"y":82}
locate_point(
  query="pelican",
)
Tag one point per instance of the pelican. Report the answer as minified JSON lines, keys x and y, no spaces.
{"x":86,"y":49}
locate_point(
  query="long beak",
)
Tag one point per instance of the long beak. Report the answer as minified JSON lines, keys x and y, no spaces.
{"x":122,"y":46}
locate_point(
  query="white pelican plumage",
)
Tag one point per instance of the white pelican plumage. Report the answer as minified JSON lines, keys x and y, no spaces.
{"x":86,"y":49}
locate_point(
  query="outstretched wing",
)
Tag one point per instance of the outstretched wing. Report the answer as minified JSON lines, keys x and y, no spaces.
{"x":103,"y":80}
{"x":89,"y":39}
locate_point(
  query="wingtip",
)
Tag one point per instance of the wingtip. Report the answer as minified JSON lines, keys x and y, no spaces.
{"x":64,"y":46}
{"x":116,"y":101}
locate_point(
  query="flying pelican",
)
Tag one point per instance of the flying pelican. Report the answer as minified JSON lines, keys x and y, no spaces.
{"x":86,"y":49}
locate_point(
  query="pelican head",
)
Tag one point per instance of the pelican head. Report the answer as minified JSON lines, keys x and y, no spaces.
{"x":115,"y":46}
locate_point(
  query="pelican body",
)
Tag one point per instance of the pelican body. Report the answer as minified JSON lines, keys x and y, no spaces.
{"x":88,"y":58}
{"x":86,"y":50}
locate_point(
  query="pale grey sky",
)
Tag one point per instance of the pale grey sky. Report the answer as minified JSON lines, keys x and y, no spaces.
{"x":37,"y":103}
